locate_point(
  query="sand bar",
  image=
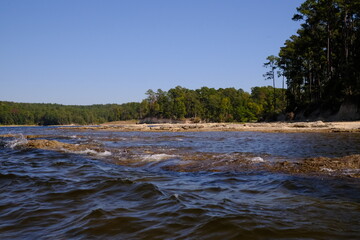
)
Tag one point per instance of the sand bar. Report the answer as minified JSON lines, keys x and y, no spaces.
{"x":318,"y":126}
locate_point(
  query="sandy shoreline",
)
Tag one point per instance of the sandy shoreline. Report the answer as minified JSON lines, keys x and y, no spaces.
{"x":285,"y":127}
{"x":318,"y":126}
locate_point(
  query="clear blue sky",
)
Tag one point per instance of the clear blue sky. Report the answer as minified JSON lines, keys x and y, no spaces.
{"x":112,"y":51}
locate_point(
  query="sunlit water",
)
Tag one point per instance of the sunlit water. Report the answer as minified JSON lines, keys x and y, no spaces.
{"x":87,"y":195}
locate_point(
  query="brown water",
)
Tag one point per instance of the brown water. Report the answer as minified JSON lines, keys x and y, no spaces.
{"x":131,"y":189}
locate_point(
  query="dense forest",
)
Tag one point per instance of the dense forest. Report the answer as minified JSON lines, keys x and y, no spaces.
{"x":56,"y":114}
{"x":213,"y":105}
{"x":205,"y":104}
{"x":321,"y":63}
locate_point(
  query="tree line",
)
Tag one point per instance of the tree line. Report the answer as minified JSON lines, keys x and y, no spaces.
{"x":321,"y":63}
{"x":204,"y":104}
{"x":55,"y":114}
{"x":213,"y":105}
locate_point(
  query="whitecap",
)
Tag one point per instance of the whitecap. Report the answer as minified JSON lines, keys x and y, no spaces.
{"x":104,"y":154}
{"x":156,"y":157}
{"x":257,"y":159}
{"x":327,"y":169}
{"x":87,"y":151}
{"x":20,"y":140}
{"x":91,"y":152}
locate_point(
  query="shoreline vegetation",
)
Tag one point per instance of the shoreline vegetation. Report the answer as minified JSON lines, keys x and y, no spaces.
{"x":178,"y":105}
{"x":200,"y":105}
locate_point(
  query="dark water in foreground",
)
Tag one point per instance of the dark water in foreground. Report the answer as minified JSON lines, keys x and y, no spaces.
{"x":83,"y":195}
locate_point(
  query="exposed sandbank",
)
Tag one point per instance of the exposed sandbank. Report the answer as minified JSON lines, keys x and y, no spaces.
{"x":318,"y":126}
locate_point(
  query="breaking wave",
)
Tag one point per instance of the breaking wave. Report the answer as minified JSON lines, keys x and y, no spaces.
{"x":18,"y":140}
{"x":156,"y":157}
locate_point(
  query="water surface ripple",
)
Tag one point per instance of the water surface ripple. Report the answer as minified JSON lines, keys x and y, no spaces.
{"x":48,"y":194}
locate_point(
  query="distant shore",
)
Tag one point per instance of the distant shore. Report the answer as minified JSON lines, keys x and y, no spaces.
{"x":317,"y":126}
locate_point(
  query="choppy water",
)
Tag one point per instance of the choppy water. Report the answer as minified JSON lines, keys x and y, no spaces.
{"x":128,"y":192}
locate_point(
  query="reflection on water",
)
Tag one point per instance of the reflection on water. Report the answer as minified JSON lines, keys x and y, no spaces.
{"x":63,"y":195}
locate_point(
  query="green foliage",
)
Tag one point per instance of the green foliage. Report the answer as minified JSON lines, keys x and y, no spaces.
{"x":55,"y":114}
{"x":214,"y":105}
{"x":204,"y":104}
{"x":322,"y":62}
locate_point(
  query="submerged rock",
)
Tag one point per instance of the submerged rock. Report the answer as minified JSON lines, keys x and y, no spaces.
{"x":197,"y":161}
{"x":344,"y":166}
{"x":54,"y":145}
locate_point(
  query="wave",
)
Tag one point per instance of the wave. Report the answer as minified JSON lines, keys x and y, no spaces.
{"x":19,"y":140}
{"x":156,"y":157}
{"x":87,"y":151}
{"x":105,"y":204}
{"x":257,"y":159}
{"x":183,"y":159}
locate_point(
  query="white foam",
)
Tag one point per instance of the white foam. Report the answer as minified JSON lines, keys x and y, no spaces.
{"x":327,"y":169}
{"x":91,"y":152}
{"x":104,"y":154}
{"x":87,"y":151}
{"x":18,"y":141}
{"x":257,"y":159}
{"x":156,"y":157}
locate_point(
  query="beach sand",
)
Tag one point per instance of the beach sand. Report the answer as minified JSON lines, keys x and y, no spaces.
{"x":317,"y":126}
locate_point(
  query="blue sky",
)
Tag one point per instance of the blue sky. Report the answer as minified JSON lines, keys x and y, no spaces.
{"x":112,"y":51}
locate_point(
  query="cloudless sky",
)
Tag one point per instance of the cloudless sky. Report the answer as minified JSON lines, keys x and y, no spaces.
{"x":112,"y":51}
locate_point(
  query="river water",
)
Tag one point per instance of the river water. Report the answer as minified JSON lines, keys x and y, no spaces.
{"x":140,"y":186}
